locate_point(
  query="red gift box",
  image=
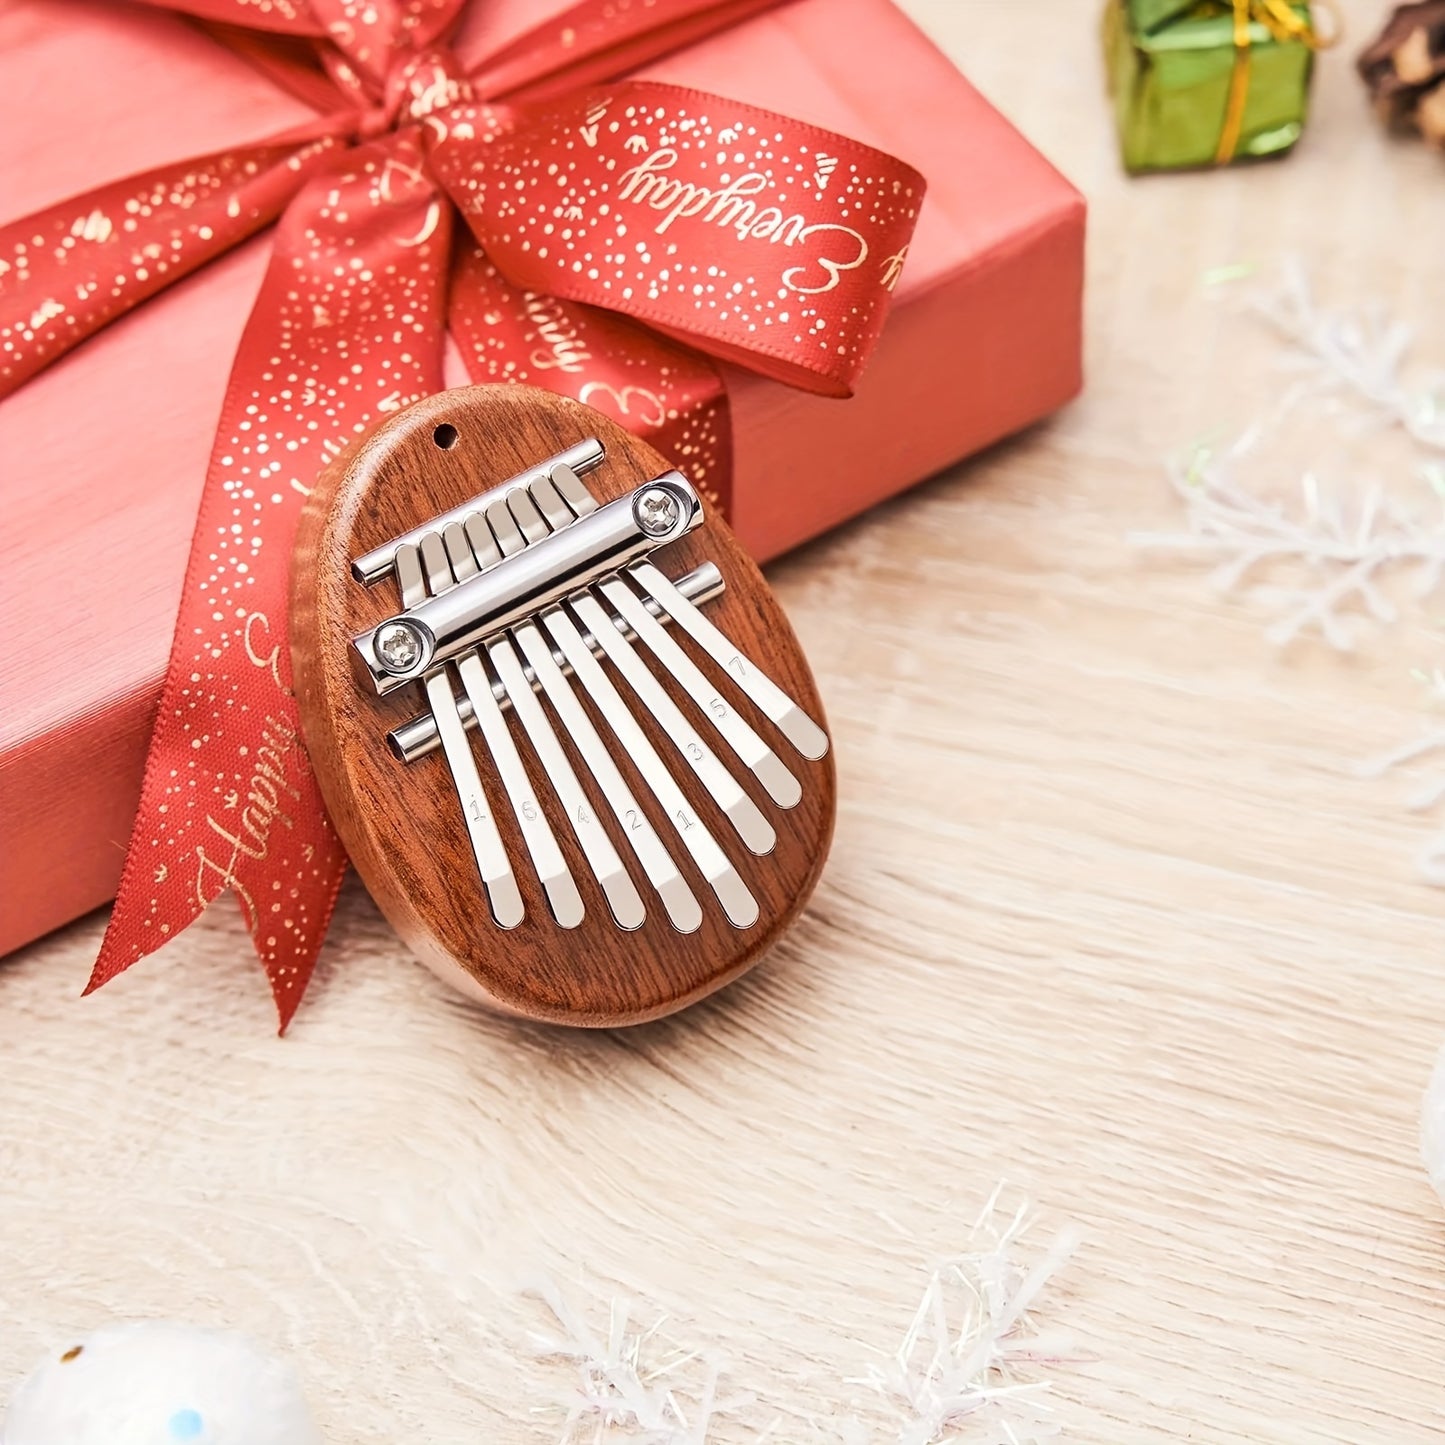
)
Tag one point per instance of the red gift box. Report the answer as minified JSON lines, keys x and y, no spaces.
{"x":104,"y":453}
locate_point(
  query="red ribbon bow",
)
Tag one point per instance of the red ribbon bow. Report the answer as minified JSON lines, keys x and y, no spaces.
{"x":617,"y":238}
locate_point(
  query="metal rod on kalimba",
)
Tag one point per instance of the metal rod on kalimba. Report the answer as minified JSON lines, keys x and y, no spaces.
{"x":418,"y":738}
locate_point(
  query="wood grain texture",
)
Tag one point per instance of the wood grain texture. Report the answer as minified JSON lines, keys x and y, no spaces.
{"x":1108,"y":913}
{"x":402,"y":825}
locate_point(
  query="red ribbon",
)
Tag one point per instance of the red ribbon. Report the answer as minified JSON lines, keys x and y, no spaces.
{"x":616,"y":238}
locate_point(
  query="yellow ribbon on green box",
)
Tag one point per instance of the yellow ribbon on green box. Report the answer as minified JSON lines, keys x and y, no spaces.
{"x":1201,"y":82}
{"x":1284,"y":24}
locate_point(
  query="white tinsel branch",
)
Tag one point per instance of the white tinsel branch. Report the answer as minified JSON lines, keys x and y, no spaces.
{"x":965,"y":1368}
{"x":1428,"y":796}
{"x":965,"y":1373}
{"x":1432,"y":1127}
{"x":1315,"y":553}
{"x":631,"y":1385}
{"x":1345,"y":544}
{"x":1354,"y":354}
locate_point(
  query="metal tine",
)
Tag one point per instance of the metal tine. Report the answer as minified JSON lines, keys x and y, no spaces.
{"x":550,"y":504}
{"x":484,"y":545}
{"x":436,"y":564}
{"x":526,"y":515}
{"x":552,"y":871}
{"x":409,"y":576}
{"x":782,"y":787}
{"x":500,"y":883}
{"x":572,"y":489}
{"x":737,"y":902}
{"x":504,"y":528}
{"x":744,"y":814}
{"x":459,"y":552}
{"x":795,"y":725}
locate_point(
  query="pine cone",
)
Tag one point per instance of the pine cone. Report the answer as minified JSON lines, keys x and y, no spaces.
{"x":1404,"y":69}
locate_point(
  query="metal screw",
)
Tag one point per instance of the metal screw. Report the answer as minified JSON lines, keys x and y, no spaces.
{"x":657,"y":511}
{"x":398,"y":645}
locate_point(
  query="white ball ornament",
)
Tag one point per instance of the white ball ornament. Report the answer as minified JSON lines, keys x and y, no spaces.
{"x":158,"y":1383}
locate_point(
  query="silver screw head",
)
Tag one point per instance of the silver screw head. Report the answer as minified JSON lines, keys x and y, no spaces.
{"x":657,"y":511}
{"x":398,"y":645}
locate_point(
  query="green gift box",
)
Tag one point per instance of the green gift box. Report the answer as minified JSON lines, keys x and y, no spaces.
{"x":1205,"y":82}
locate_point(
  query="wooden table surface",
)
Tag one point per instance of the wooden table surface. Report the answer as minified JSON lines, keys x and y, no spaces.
{"x":1111,"y":915}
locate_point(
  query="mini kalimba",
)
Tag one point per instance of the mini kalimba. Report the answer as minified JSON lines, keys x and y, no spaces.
{"x":560,"y":723}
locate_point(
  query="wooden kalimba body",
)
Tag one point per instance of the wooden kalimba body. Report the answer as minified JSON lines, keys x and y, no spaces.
{"x":561,"y":724}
